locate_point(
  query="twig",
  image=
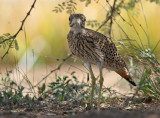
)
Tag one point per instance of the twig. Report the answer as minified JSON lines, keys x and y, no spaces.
{"x":113,"y":9}
{"x":112,"y":13}
{"x":146,"y":24}
{"x":58,"y":68}
{"x":103,"y":23}
{"x":124,"y":19}
{"x":155,"y":46}
{"x":110,"y":16}
{"x":141,"y":27}
{"x":136,"y":31}
{"x":20,"y":29}
{"x":25,"y":35}
{"x":126,"y":35}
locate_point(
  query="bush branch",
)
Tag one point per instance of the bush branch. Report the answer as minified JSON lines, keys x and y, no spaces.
{"x":20,"y":29}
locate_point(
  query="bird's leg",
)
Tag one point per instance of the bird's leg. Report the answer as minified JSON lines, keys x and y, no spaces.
{"x":93,"y":86}
{"x":100,"y":88}
{"x":88,"y":65}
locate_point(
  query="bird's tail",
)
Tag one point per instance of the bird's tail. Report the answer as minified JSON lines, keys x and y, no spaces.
{"x":125,"y":74}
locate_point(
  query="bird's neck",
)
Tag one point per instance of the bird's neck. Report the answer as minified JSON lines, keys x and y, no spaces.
{"x":77,"y":30}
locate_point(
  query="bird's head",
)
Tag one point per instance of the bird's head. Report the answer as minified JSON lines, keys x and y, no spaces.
{"x":77,"y":21}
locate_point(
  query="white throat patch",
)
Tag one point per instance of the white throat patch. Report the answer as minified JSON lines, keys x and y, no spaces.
{"x":76,"y":30}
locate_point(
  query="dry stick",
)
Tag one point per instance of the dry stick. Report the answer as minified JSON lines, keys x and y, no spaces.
{"x":20,"y":29}
{"x":103,"y":23}
{"x":33,"y":66}
{"x":146,"y":24}
{"x":120,"y":26}
{"x":136,"y":31}
{"x":155,"y":46}
{"x":58,"y":68}
{"x":25,"y":36}
{"x":57,"y":59}
{"x":124,"y":19}
{"x":26,"y":78}
{"x":111,"y":23}
{"x":126,"y":35}
{"x":140,"y":26}
{"x":117,"y":23}
{"x":110,"y":17}
{"x":119,"y":14}
{"x":112,"y":13}
{"x":20,"y":72}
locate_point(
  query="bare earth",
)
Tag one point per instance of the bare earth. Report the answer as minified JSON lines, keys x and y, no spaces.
{"x":149,"y":111}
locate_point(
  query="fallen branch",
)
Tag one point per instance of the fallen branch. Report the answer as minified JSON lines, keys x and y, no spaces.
{"x":58,"y":68}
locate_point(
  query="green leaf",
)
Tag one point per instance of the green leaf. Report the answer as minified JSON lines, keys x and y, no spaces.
{"x":16,"y":45}
{"x":67,"y":82}
{"x":43,"y":87}
{"x":64,"y":78}
{"x":13,"y":83}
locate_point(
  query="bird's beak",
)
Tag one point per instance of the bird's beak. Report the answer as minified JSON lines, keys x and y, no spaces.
{"x":75,"y":22}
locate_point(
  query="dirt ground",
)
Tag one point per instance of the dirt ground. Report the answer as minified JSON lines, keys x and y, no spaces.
{"x":119,"y":114}
{"x":116,"y":108}
{"x":93,"y":114}
{"x":105,"y":113}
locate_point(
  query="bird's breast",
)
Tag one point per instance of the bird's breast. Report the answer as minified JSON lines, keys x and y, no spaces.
{"x":84,"y":49}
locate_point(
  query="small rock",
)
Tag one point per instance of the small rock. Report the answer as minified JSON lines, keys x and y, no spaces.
{"x":51,"y":114}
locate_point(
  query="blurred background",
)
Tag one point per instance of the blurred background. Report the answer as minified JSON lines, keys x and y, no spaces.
{"x":45,"y":32}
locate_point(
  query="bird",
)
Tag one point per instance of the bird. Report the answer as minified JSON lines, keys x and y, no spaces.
{"x":95,"y":48}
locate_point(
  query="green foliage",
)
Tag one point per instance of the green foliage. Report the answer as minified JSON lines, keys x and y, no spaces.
{"x":150,"y":80}
{"x":92,"y":23}
{"x":62,"y":89}
{"x":88,"y":2}
{"x":145,"y":67}
{"x":69,"y":6}
{"x":156,"y":1}
{"x":41,"y":89}
{"x":66,"y":88}
{"x":11,"y":93}
{"x":149,"y":86}
{"x":130,"y":4}
{"x":6,"y":41}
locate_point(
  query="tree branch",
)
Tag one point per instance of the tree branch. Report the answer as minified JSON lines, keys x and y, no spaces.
{"x":20,"y":29}
{"x":110,"y":16}
{"x":112,"y":13}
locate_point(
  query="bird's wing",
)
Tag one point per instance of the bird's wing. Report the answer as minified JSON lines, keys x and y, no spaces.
{"x":107,"y":49}
{"x":109,"y":53}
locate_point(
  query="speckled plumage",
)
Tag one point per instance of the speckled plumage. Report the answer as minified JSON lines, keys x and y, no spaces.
{"x":94,"y":47}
